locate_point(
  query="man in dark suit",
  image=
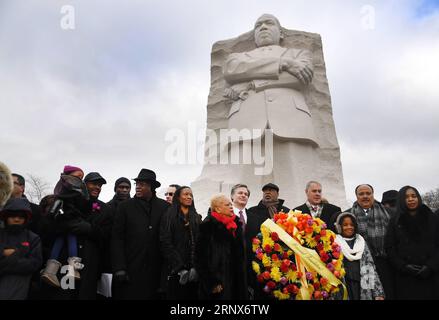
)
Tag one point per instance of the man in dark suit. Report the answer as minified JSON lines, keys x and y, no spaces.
{"x":314,"y":206}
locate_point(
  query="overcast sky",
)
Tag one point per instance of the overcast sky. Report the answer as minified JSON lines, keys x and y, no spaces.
{"x":103,"y":96}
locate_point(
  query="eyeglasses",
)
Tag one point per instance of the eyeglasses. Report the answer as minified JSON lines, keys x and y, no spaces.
{"x":169,"y":194}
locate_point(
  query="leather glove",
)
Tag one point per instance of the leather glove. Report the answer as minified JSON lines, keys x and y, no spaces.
{"x":81,"y":228}
{"x":193,"y":275}
{"x":412,"y":269}
{"x":184,"y":276}
{"x":121,"y":277}
{"x":424,"y":272}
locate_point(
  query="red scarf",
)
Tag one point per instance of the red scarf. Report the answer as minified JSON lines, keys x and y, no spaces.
{"x":228,"y":222}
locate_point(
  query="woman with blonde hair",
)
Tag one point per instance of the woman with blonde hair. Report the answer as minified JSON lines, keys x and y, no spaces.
{"x":220,"y":255}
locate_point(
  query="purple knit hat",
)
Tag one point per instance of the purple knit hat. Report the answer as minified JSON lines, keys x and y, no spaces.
{"x":69,"y":169}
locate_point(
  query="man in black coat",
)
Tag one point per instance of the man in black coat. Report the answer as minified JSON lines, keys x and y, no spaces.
{"x":314,"y":206}
{"x":135,"y":245}
{"x":256,"y":216}
{"x":122,"y":188}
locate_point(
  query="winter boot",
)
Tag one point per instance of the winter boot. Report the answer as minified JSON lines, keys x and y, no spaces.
{"x":74,"y":265}
{"x":48,"y":274}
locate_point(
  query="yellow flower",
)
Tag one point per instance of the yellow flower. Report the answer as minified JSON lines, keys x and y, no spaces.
{"x":267,"y":241}
{"x":291,"y":275}
{"x":255,"y":247}
{"x":266,"y":261}
{"x":277,"y":263}
{"x":281,"y":296}
{"x":276,"y":274}
{"x":256,"y":267}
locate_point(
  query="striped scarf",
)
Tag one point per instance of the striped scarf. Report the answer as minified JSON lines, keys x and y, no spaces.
{"x":373,"y":227}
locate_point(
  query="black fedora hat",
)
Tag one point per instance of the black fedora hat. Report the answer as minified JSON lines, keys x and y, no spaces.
{"x":148,"y":176}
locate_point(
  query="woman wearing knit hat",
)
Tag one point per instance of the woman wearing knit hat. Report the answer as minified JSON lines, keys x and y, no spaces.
{"x":70,"y":192}
{"x":362,"y":279}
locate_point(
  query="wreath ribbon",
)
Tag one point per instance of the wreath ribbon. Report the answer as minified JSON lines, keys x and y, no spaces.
{"x":305,"y":258}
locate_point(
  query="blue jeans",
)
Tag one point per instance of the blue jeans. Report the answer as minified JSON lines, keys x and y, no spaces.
{"x":59,"y":243}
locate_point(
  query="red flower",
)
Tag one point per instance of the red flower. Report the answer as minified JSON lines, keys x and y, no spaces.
{"x":324,"y":256}
{"x":317,"y":238}
{"x":260,"y":256}
{"x":309,"y":229}
{"x":277,"y":247}
{"x":271,"y":285}
{"x":256,"y":241}
{"x":284,"y":268}
{"x":274,"y":257}
{"x":285,"y":255}
{"x":316,"y":286}
{"x":317,"y":294}
{"x":260,"y":278}
{"x":323,"y":233}
{"x":25,"y":244}
{"x":266,"y":275}
{"x":323,"y":281}
{"x":320,"y":247}
{"x":286,"y":262}
{"x":293,"y":266}
{"x":267,"y":248}
{"x":336,"y":255}
{"x":293,"y":289}
{"x":274,"y":236}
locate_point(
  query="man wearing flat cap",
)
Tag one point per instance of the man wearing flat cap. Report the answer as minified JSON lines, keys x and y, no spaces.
{"x":256,"y":216}
{"x":135,"y":247}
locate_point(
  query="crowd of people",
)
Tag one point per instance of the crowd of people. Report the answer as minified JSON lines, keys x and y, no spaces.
{"x":72,"y":245}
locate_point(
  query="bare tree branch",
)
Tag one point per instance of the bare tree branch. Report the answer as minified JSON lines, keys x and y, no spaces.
{"x":431,"y":199}
{"x":36,"y":188}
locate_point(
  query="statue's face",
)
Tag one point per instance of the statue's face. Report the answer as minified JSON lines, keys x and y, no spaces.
{"x":267,"y":31}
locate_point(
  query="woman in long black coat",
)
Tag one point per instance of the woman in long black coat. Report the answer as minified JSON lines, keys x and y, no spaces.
{"x":178,"y":232}
{"x":413,"y":247}
{"x":220,"y":255}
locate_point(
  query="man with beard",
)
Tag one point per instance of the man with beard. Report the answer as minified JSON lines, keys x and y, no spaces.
{"x":20,"y":250}
{"x":122,"y":188}
{"x":135,"y":245}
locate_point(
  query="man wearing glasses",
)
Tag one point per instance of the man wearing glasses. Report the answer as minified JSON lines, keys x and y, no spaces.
{"x":169,"y":194}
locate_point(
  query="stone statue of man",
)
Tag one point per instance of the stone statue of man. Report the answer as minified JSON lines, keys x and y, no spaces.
{"x":266,"y":84}
{"x":271,"y":82}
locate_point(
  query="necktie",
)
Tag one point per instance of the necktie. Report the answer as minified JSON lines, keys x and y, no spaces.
{"x":242,"y":220}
